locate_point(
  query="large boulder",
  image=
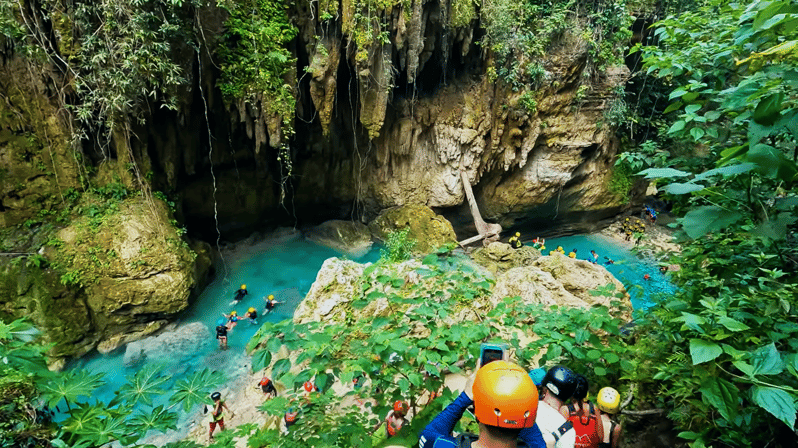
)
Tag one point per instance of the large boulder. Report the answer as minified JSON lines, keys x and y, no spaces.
{"x":347,"y":237}
{"x":429,"y":230}
{"x":581,"y":278}
{"x":499,"y":257}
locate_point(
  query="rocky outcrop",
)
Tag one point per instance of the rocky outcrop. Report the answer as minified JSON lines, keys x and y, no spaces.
{"x":581,"y":278}
{"x":429,"y":230}
{"x":499,"y":257}
{"x":348,"y":237}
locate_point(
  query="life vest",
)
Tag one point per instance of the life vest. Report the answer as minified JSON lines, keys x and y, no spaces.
{"x":585,"y":428}
{"x":391,"y":430}
{"x":221,"y":331}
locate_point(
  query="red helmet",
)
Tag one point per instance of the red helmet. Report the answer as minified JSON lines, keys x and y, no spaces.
{"x":400,"y":407}
{"x":309,"y":387}
{"x":505,"y":396}
{"x":265,"y":381}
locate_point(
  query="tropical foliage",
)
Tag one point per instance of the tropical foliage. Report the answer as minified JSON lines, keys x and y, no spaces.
{"x":722,"y":354}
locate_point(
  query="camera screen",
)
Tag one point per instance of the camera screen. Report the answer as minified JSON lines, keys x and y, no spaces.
{"x":490,"y":355}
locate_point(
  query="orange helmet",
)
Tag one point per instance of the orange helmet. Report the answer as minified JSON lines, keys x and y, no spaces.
{"x":505,"y":396}
{"x":309,"y":387}
{"x":400,"y":407}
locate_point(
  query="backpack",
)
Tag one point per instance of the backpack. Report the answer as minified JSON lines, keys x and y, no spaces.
{"x":585,"y":428}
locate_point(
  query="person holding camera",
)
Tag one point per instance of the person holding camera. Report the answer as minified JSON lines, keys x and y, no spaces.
{"x":557,"y":387}
{"x":505,"y":405}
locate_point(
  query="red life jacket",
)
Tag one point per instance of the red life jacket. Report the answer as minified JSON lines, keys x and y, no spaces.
{"x":585,"y":428}
{"x":391,"y":430}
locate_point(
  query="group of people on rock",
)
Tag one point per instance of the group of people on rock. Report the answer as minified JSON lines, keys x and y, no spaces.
{"x":228,"y":321}
{"x":541,"y":408}
{"x":631,"y":228}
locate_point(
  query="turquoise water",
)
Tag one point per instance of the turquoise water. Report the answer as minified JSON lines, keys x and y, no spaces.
{"x":628,"y":268}
{"x":284,"y":266}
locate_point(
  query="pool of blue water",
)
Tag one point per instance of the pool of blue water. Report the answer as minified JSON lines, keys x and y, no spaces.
{"x":628,"y":268}
{"x":285,"y":266}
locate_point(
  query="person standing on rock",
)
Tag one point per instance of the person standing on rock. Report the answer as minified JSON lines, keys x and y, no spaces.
{"x":221,"y":333}
{"x":217,"y":417}
{"x":267,"y":386}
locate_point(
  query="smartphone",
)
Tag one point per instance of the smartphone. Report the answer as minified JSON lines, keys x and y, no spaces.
{"x":489,"y":352}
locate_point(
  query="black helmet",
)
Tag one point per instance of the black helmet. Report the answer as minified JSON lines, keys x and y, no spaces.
{"x":582,"y":387}
{"x":560,"y":381}
{"x":216,"y":396}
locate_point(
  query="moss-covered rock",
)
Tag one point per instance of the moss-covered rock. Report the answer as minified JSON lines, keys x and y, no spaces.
{"x":348,"y":237}
{"x":430,"y":231}
{"x":500,"y":257}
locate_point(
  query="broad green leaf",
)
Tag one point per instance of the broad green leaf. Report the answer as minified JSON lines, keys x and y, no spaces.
{"x":696,"y":133}
{"x":733,"y":325}
{"x":71,"y":385}
{"x":657,"y":173}
{"x":772,"y":163}
{"x":145,"y":385}
{"x":777,"y":402}
{"x":261,"y":359}
{"x":722,"y":395}
{"x":767,"y":361}
{"x":682,"y":188}
{"x":676,"y":127}
{"x":195,"y":388}
{"x":703,"y":351}
{"x":692,"y":108}
{"x":744,"y":367}
{"x":726,"y":171}
{"x":673,"y":106}
{"x":775,"y":229}
{"x":281,"y":367}
{"x":431,"y":259}
{"x":702,"y":220}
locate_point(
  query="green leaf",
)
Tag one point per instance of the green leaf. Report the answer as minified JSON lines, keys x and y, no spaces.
{"x":261,"y":359}
{"x":682,"y":188}
{"x":692,"y":108}
{"x":776,"y":401}
{"x":672,"y":107}
{"x":733,"y":325}
{"x":431,"y":259}
{"x":676,"y":127}
{"x":726,"y":171}
{"x":145,"y":385}
{"x":702,"y":220}
{"x":767,"y":361}
{"x":71,"y":385}
{"x":744,"y":367}
{"x":703,"y":351}
{"x":600,"y":371}
{"x":772,"y":163}
{"x":697,"y":133}
{"x":195,"y":388}
{"x":657,"y":173}
{"x":722,"y":395}
{"x":281,"y":367}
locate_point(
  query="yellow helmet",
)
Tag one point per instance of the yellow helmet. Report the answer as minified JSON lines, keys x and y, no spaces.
{"x":251,"y":310}
{"x":627,"y":219}
{"x":517,"y":233}
{"x":271,"y":296}
{"x":608,"y":400}
{"x":233,"y":313}
{"x":243,"y":286}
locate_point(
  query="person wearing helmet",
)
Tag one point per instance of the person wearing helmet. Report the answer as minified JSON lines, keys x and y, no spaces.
{"x":309,"y":388}
{"x":583,"y":416}
{"x":270,"y":303}
{"x":557,"y":387}
{"x":239,"y":295}
{"x":232,"y":319}
{"x":217,"y":417}
{"x":221,"y":333}
{"x":252,"y":315}
{"x":395,"y":419}
{"x":267,"y":386}
{"x":609,"y":402}
{"x":515,"y":241}
{"x":289,"y":418}
{"x":505,"y":405}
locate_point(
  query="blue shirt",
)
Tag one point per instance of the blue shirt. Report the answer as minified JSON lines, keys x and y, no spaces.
{"x":438,"y":433}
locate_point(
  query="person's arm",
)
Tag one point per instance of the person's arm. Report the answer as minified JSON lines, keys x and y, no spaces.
{"x":532,"y":437}
{"x":443,"y":424}
{"x":616,"y":436}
